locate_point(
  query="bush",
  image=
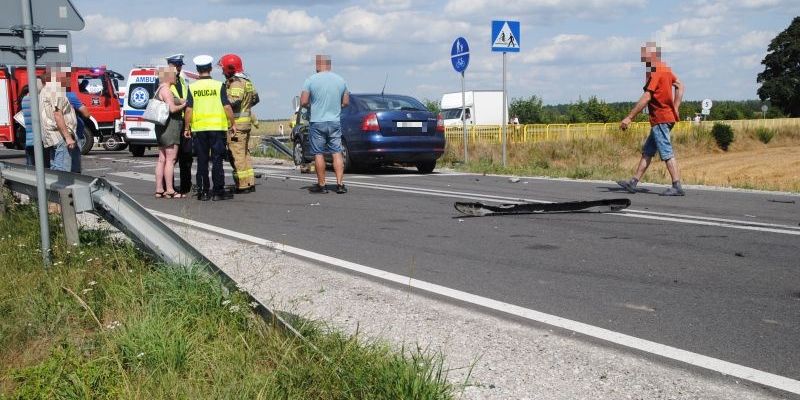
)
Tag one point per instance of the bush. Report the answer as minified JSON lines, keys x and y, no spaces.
{"x":765,"y":135}
{"x":723,"y":134}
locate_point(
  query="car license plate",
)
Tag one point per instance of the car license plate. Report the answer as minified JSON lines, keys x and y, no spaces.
{"x":139,"y":132}
{"x":409,"y":124}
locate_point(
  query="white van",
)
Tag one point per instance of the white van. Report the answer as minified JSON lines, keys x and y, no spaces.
{"x":138,"y":133}
{"x":483,"y":107}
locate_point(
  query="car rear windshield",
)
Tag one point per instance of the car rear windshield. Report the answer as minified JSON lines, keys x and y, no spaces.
{"x":389,"y":102}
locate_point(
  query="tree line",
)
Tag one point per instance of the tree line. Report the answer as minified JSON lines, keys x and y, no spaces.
{"x":531,"y":110}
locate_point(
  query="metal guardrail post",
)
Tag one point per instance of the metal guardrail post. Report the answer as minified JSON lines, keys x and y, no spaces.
{"x":69,"y":217}
{"x":2,"y":198}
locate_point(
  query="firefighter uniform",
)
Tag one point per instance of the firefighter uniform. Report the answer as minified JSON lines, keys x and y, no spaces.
{"x":209,"y":123}
{"x":242,"y":96}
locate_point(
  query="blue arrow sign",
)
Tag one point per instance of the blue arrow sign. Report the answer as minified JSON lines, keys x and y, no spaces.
{"x":505,"y":36}
{"x":459,"y":55}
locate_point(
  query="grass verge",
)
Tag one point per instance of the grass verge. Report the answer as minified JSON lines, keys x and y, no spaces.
{"x":749,"y":163}
{"x":107,"y":322}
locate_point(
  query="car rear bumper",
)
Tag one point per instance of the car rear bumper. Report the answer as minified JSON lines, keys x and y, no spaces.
{"x":397,"y":149}
{"x":141,"y":142}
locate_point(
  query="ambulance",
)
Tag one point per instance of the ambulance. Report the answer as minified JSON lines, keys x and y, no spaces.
{"x":138,"y":133}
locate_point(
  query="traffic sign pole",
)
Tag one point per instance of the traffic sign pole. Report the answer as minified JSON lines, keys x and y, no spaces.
{"x":464,"y":117}
{"x":459,"y":56}
{"x":505,"y":39}
{"x":38,"y":150}
{"x":505,"y":114}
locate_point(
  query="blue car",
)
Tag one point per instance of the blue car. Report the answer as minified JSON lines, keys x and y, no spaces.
{"x":380,"y":129}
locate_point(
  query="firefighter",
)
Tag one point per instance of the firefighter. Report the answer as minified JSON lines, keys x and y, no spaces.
{"x":208,"y":116}
{"x":185,"y":151}
{"x":242,"y":96}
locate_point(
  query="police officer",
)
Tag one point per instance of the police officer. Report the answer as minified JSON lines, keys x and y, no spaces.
{"x":242,"y":96}
{"x":208,"y":117}
{"x":185,"y":151}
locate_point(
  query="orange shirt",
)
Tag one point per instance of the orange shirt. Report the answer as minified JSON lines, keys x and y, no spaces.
{"x":659,"y":84}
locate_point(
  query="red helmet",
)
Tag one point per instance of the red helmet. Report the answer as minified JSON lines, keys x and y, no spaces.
{"x":230,"y":64}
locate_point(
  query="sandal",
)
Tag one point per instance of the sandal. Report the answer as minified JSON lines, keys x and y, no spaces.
{"x":174,"y":195}
{"x":159,"y":195}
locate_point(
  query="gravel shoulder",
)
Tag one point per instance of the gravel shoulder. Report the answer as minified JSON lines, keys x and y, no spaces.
{"x":499,"y":358}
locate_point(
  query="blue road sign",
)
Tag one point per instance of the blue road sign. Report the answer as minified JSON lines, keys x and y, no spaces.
{"x":505,"y":36}
{"x":459,"y":55}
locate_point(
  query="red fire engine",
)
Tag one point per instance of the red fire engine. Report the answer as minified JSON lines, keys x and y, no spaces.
{"x":96,"y":88}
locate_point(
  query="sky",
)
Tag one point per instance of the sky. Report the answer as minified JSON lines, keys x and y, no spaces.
{"x":570,"y":49}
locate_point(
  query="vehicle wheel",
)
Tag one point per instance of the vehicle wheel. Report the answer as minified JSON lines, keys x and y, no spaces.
{"x":349,"y":164}
{"x":137,"y":150}
{"x":86,"y":143}
{"x":426,"y":167}
{"x":114,"y":143}
{"x":297,"y":154}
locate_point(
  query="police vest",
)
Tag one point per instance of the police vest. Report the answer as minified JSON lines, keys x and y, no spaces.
{"x":208,"y":114}
{"x":174,"y":89}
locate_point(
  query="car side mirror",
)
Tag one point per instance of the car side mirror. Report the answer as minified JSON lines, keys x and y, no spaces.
{"x":296,"y":103}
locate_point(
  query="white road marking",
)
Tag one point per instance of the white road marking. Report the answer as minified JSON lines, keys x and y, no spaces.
{"x":680,"y":218}
{"x":96,"y":169}
{"x":666,"y":217}
{"x":144,"y":176}
{"x":673,"y":353}
{"x":693,"y":187}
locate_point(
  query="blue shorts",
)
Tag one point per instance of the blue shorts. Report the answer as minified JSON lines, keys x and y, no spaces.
{"x":325,"y":137}
{"x":658,"y":140}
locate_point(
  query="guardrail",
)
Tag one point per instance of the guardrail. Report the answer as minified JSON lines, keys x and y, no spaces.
{"x":554,"y":132}
{"x":80,"y":193}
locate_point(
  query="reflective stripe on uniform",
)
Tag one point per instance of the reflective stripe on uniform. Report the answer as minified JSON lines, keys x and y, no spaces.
{"x":208,"y":114}
{"x":242,"y":117}
{"x":245,"y":173}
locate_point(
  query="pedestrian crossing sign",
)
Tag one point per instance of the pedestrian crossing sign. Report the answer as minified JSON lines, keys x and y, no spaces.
{"x":505,"y":36}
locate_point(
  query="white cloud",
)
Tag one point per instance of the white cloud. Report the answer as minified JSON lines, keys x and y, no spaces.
{"x":583,"y":49}
{"x":291,"y":22}
{"x":753,"y":40}
{"x":542,"y":8}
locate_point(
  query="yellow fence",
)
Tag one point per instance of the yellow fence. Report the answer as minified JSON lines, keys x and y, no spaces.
{"x":554,"y":132}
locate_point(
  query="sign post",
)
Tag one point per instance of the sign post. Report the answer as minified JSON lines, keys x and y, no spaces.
{"x":505,"y":39}
{"x":47,"y":15}
{"x":459,"y":56}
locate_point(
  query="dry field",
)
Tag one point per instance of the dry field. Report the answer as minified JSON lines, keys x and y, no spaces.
{"x":748,"y":163}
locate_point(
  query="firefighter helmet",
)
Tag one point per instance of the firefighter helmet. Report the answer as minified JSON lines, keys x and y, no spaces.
{"x":231,"y":64}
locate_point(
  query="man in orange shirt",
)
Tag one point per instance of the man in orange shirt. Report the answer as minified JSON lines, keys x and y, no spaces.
{"x":663,"y":109}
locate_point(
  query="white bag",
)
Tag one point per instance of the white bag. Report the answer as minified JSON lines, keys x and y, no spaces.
{"x":157,"y":111}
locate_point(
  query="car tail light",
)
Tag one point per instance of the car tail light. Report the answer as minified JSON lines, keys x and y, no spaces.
{"x":370,"y":123}
{"x":439,"y":123}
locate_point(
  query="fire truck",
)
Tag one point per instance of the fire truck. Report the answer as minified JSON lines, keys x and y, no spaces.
{"x":96,"y":87}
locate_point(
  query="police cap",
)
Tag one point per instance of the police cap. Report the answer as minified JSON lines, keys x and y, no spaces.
{"x":175,"y":59}
{"x":203,"y":61}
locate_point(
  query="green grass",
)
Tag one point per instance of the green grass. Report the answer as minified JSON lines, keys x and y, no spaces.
{"x":605,"y":158}
{"x":106,"y":322}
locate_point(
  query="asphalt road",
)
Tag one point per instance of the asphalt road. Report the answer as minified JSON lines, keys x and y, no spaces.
{"x":715,"y":272}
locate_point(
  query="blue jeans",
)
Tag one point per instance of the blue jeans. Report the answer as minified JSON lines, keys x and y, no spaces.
{"x":658,"y":140}
{"x":64,"y":159}
{"x":210,"y":145}
{"x":325,"y":137}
